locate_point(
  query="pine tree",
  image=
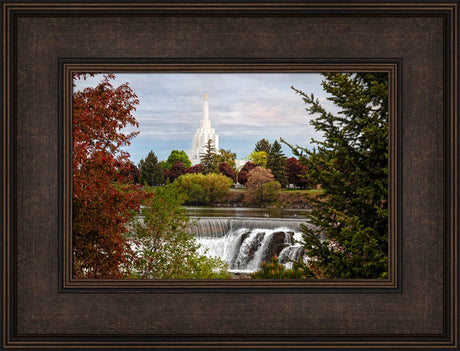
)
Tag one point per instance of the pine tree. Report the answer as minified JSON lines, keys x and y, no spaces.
{"x":151,"y":172}
{"x":209,"y":159}
{"x":348,"y":236}
{"x":263,"y":145}
{"x":276,"y":161}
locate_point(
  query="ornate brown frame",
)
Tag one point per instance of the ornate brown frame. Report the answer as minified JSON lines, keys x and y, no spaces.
{"x":44,"y":42}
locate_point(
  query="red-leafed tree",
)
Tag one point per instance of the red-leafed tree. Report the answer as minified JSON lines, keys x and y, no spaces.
{"x":193,"y":169}
{"x":104,"y":200}
{"x":129,"y":172}
{"x":297,"y":173}
{"x":243,"y":175}
{"x":176,"y":170}
{"x":228,"y":171}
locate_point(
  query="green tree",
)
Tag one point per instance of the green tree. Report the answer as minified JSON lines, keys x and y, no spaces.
{"x":259,"y":158}
{"x":176,"y":156}
{"x":277,"y":162}
{"x":164,"y":247}
{"x":348,"y":236}
{"x":151,"y":172}
{"x":203,"y":188}
{"x":263,"y":145}
{"x":209,"y":159}
{"x":228,"y":157}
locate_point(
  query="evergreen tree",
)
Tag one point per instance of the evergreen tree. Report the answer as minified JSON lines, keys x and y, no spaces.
{"x":263,"y":145}
{"x":150,"y":170}
{"x":276,"y":161}
{"x":348,"y":236}
{"x":209,"y":159}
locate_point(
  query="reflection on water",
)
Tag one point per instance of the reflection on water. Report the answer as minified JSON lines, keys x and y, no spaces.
{"x":203,"y":211}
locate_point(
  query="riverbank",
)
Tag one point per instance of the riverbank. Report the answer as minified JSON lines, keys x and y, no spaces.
{"x":295,"y":199}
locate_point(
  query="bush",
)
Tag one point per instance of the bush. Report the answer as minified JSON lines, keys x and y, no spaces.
{"x":164,"y":248}
{"x":275,"y":270}
{"x":203,"y":189}
{"x":270,"y":191}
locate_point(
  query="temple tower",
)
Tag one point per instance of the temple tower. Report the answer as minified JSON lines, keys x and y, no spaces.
{"x":202,"y":135}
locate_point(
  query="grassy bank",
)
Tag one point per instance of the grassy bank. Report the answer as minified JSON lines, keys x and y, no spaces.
{"x":288,"y":198}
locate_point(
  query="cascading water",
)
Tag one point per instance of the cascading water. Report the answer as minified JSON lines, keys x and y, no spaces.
{"x":244,"y":243}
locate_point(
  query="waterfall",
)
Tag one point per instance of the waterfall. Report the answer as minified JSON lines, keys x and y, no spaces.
{"x":244,"y":243}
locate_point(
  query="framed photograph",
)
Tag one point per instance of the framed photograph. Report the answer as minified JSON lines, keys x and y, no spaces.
{"x":116,"y":116}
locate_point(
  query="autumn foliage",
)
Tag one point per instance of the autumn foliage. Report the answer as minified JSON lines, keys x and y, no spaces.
{"x":297,"y":173}
{"x":244,"y":173}
{"x":105,"y":197}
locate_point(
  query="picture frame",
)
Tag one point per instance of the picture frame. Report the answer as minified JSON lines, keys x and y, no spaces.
{"x":44,"y":42}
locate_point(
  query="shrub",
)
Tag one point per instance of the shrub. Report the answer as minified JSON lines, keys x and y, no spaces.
{"x":203,"y":188}
{"x":275,"y":270}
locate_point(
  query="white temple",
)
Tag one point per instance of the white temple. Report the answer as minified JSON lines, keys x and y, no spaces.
{"x":202,"y":136}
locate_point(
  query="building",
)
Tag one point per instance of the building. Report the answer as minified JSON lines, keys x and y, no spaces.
{"x":202,"y":136}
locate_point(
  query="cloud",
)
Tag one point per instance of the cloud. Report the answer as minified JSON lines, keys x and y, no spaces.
{"x":244,"y":108}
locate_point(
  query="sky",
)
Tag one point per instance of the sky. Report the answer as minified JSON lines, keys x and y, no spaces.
{"x":243,"y":108}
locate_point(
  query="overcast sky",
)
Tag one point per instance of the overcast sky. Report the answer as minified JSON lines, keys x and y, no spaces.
{"x":243,"y":108}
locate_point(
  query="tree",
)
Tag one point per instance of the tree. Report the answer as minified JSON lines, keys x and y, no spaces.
{"x":228,"y":171}
{"x":103,"y":201}
{"x":129,"y":172}
{"x":202,"y":189}
{"x":177,"y":156}
{"x":228,"y":157}
{"x":348,"y":236}
{"x":176,"y":170}
{"x":209,"y":159}
{"x":151,"y":172}
{"x":193,"y":169}
{"x":262,"y":188}
{"x":263,"y":145}
{"x":164,"y":247}
{"x":259,"y":158}
{"x":258,"y":176}
{"x":276,"y":161}
{"x":297,"y":173}
{"x":243,"y":174}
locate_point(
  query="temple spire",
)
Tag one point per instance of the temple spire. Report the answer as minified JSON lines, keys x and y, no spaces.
{"x":203,"y":135}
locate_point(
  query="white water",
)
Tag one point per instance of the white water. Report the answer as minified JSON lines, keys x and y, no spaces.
{"x":244,"y":243}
